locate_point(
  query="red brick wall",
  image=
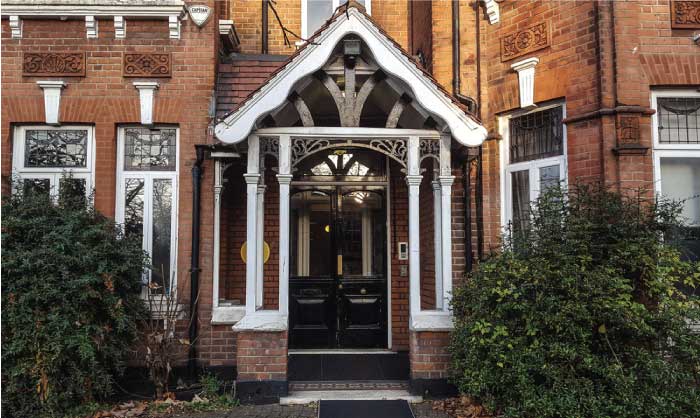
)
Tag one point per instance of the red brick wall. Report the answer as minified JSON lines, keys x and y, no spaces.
{"x":262,"y":355}
{"x":421,"y":34}
{"x":399,"y":233}
{"x":427,"y":238}
{"x":429,"y":356}
{"x":271,"y":232}
{"x":233,"y":234}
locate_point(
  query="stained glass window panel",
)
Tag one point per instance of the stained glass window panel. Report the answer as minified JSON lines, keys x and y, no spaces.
{"x":679,"y":120}
{"x":55,"y":148}
{"x":150,"y":149}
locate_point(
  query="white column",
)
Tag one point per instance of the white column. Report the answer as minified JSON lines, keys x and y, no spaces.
{"x":446,"y":180}
{"x":218,"y":187}
{"x":413,"y":179}
{"x":260,"y":269}
{"x":284,"y":177}
{"x":252,"y":177}
{"x":437,"y":229}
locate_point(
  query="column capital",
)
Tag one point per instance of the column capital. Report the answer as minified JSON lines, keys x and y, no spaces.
{"x":284,"y":178}
{"x":414,"y":180}
{"x":251,"y":178}
{"x":446,"y":181}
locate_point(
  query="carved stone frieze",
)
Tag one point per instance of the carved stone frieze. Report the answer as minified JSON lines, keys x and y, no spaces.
{"x":530,"y":39}
{"x":147,"y":65}
{"x":61,"y":64}
{"x":685,"y":14}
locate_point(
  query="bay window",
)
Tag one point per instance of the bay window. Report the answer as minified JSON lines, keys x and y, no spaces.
{"x":147,"y":198}
{"x":676,"y":132}
{"x":534,"y":159}
{"x":54,"y":159}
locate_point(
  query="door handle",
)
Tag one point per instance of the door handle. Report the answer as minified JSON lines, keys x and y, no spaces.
{"x":363,"y":291}
{"x":340,"y":286}
{"x":340,"y":264}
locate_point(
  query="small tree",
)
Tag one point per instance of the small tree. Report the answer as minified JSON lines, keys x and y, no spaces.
{"x":579,"y":314}
{"x":70,"y":302}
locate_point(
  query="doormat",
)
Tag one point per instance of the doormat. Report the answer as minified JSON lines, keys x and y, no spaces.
{"x":365,"y":409}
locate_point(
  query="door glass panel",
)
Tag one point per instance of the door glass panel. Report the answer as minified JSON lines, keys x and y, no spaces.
{"x":521,"y":198}
{"x":162,"y":221}
{"x":362,"y":236}
{"x":549,"y":177}
{"x":311,"y":242}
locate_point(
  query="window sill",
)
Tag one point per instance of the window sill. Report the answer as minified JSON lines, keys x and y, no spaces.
{"x":227,"y":315}
{"x":263,"y":321}
{"x":432,"y":321}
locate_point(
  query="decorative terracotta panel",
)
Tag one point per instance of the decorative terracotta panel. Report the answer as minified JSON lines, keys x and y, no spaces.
{"x":53,"y":64}
{"x":525,"y":41}
{"x":685,"y":14}
{"x":147,"y":65}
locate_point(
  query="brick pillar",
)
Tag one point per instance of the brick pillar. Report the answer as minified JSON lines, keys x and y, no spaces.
{"x":430,"y":362}
{"x":261,"y":359}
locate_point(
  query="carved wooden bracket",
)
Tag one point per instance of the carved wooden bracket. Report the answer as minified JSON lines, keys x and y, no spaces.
{"x":350,"y":104}
{"x":523,"y":42}
{"x":685,"y":14}
{"x":53,"y":64}
{"x":147,"y":65}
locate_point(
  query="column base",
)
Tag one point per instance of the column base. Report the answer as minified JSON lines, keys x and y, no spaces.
{"x":430,"y":363}
{"x":261,"y":361}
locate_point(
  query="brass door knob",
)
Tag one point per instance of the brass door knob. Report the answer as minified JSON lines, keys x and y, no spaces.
{"x":363,"y":291}
{"x":340,"y":286}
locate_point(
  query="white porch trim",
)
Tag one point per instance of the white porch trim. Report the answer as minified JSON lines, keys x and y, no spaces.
{"x":273,"y":94}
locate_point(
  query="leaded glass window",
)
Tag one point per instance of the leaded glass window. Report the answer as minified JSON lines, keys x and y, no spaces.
{"x":150,"y":149}
{"x":537,"y":135}
{"x":55,"y":148}
{"x":147,"y":200}
{"x":535,"y":145}
{"x":55,"y":161}
{"x":678,"y":120}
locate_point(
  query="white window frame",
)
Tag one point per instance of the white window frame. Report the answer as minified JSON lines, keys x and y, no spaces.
{"x":336,"y":3}
{"x":668,"y":150}
{"x":532,"y":166}
{"x":54,"y":174}
{"x":148,"y":177}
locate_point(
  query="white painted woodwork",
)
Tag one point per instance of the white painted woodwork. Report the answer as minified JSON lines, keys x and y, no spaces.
{"x":236,"y":127}
{"x":526,"y":80}
{"x":437,"y":240}
{"x":284,"y":178}
{"x":52,"y":99}
{"x":414,"y":179}
{"x":91,"y":27}
{"x":260,"y":242}
{"x":15,"y":27}
{"x":119,"y":27}
{"x":218,"y":188}
{"x":252,"y":178}
{"x":146,"y":99}
{"x":446,"y":246}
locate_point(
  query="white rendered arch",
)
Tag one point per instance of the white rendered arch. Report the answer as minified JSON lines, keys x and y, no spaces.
{"x":238,"y":125}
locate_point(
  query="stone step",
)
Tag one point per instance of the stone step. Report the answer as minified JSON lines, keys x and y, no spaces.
{"x":308,"y":396}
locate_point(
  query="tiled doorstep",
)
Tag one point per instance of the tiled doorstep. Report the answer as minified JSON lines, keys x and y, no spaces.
{"x":309,"y":396}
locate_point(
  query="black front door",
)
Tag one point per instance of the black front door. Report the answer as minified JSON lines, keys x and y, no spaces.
{"x":338,"y":287}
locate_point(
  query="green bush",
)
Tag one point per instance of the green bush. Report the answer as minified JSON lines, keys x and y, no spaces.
{"x":579,"y":314}
{"x":70,"y":285}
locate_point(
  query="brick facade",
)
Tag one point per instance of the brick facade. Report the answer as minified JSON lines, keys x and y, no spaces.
{"x":602,"y":60}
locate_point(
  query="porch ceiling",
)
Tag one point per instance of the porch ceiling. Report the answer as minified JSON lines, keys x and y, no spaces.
{"x":274,"y":93}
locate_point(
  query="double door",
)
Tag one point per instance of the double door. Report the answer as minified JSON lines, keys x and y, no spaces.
{"x":338,"y":286}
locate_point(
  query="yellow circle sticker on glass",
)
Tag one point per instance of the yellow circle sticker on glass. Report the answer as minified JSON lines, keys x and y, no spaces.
{"x":266,"y":251}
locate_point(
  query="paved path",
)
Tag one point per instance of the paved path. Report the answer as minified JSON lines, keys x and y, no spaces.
{"x":422,"y":410}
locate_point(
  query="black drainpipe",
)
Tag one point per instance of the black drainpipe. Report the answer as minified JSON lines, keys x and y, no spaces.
{"x":264,"y":26}
{"x":197,"y":171}
{"x":455,"y":49}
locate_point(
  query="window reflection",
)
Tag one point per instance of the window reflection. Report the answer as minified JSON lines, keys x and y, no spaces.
{"x":162,"y":216}
{"x":133,"y":207}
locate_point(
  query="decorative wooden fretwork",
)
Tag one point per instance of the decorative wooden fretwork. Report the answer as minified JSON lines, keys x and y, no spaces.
{"x":147,"y":65}
{"x":525,"y":41}
{"x":53,"y":64}
{"x":685,"y":14}
{"x":395,"y":148}
{"x":269,"y":146}
{"x":429,"y":148}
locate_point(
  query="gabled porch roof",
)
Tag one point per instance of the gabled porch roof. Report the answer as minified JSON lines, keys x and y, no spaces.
{"x":272,"y":94}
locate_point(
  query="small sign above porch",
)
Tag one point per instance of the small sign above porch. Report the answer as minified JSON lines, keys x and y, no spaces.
{"x":350,"y":74}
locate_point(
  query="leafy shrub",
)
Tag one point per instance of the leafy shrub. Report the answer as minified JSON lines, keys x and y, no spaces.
{"x":579,"y":314}
{"x":70,"y":285}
